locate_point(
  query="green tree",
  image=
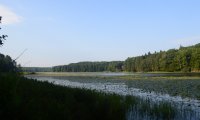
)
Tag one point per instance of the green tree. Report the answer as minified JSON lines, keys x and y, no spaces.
{"x":2,"y":37}
{"x":185,"y":59}
{"x":6,"y":62}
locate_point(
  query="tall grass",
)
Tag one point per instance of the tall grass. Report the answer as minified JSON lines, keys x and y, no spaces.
{"x":28,"y":99}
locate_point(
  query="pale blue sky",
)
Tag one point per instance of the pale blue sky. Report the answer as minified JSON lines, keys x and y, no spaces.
{"x":59,"y":32}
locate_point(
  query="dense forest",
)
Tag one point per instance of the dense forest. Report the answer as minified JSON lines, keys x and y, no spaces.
{"x":37,"y":69}
{"x":90,"y":67}
{"x":184,"y":59}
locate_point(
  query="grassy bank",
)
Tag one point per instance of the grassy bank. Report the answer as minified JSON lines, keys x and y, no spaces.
{"x":22,"y":98}
{"x":32,"y":100}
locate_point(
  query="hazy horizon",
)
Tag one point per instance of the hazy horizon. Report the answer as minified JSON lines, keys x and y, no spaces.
{"x":62,"y":32}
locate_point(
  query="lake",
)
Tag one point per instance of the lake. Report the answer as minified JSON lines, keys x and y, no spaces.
{"x":182,"y":91}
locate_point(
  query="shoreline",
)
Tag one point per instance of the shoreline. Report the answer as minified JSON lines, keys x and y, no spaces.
{"x":123,"y":75}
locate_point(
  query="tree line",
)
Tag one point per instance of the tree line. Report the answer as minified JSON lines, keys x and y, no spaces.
{"x":90,"y":67}
{"x":184,"y":59}
{"x":36,"y":69}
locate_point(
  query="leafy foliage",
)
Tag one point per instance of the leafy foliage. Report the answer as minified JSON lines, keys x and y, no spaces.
{"x":7,"y":64}
{"x":185,"y":59}
{"x":2,"y":37}
{"x":90,"y":67}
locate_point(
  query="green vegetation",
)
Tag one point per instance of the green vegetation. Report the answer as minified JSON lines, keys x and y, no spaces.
{"x":185,"y":59}
{"x":23,"y":98}
{"x":7,"y":64}
{"x":2,"y":37}
{"x":177,"y":87}
{"x":90,"y":67}
{"x":36,"y":69}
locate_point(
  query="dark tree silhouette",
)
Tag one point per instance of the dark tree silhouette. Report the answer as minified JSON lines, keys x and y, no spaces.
{"x":2,"y":37}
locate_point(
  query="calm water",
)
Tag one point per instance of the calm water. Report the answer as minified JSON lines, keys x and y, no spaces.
{"x":187,"y":109}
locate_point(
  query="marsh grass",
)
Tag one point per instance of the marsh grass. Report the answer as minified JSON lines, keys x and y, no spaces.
{"x":148,"y":110}
{"x":23,"y":98}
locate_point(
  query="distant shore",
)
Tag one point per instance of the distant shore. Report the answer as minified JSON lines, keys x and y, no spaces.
{"x":123,"y":75}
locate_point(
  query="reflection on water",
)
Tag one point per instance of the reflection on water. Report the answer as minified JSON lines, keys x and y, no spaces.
{"x":187,"y":109}
{"x":144,"y":74}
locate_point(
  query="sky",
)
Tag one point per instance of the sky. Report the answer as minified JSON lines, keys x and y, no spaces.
{"x":57,"y":32}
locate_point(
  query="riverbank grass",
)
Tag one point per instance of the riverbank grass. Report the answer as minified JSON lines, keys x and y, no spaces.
{"x":28,"y":99}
